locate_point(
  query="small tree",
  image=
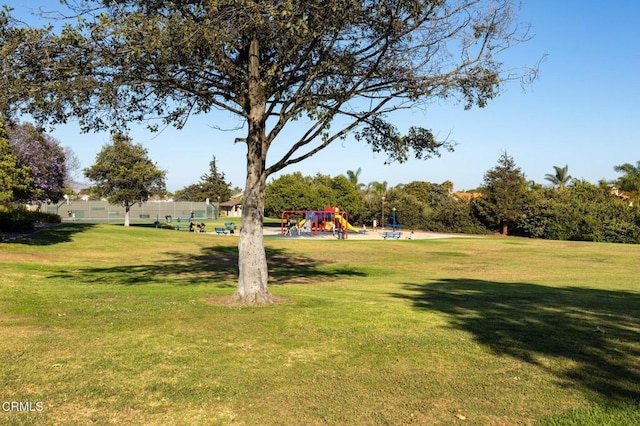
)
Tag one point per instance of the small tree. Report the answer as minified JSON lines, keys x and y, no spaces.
{"x":211,"y":186}
{"x":125,"y":175}
{"x":503,"y":197}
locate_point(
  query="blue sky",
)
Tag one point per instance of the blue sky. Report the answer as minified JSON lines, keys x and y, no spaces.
{"x":583,"y":111}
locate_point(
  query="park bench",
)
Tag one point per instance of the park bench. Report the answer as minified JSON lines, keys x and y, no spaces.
{"x":221,"y":231}
{"x":391,"y":235}
{"x":193,"y":227}
{"x":177,"y":224}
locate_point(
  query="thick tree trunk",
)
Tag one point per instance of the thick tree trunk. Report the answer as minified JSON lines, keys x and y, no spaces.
{"x":127,"y":220}
{"x":505,"y":229}
{"x":252,"y":260}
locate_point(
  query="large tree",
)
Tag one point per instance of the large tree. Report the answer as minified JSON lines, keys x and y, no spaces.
{"x":335,"y":65}
{"x":124,"y":174}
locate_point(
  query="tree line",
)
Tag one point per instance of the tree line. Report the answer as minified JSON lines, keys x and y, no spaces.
{"x":569,"y":209}
{"x":36,"y":169}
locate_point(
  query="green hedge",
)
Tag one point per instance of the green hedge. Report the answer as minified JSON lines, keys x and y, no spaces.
{"x":584,"y":212}
{"x":19,"y":219}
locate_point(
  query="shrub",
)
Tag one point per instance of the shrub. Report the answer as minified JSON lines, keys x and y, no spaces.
{"x":298,"y":192}
{"x":583,"y":212}
{"x":19,"y":219}
{"x":16,"y":219}
{"x":410,"y":212}
{"x":454,"y":215}
{"x":44,"y":217}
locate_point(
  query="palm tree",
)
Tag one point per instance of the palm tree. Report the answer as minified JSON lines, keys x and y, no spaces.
{"x":630,"y":181}
{"x":561,"y":178}
{"x":353,"y":178}
{"x":378,"y":188}
{"x":532,"y":185}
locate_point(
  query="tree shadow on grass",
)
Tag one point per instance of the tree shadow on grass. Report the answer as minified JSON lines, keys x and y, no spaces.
{"x":217,"y":266}
{"x":55,"y":234}
{"x":591,"y":337}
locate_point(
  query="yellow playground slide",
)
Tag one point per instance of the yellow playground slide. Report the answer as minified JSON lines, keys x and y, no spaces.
{"x":345,"y":224}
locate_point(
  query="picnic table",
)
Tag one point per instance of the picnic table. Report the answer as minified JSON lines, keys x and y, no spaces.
{"x":392,"y":235}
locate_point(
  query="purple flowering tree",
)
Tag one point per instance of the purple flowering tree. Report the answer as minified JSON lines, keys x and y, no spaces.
{"x":45,"y":158}
{"x":14,"y":179}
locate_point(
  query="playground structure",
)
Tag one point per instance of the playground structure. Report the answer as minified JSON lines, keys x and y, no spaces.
{"x":394,"y":233}
{"x":314,"y":222}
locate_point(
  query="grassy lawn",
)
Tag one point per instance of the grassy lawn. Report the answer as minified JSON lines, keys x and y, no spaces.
{"x":106,"y":325}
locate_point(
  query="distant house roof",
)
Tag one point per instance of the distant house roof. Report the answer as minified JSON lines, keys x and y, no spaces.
{"x":231,"y":203}
{"x":468,"y":196}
